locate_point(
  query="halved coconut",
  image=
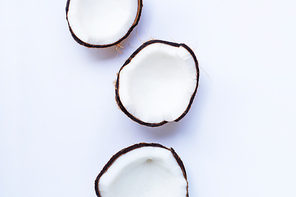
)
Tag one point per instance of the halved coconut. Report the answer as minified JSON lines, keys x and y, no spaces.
{"x":143,"y":170}
{"x":102,"y":23}
{"x":158,"y":83}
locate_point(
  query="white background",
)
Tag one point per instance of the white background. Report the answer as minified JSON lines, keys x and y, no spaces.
{"x":59,"y":122}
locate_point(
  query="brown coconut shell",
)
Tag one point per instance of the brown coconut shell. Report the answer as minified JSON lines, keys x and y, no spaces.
{"x":131,"y":148}
{"x":136,"y":21}
{"x":117,"y":85}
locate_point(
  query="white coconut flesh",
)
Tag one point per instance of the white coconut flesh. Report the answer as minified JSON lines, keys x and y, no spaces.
{"x":144,"y":172}
{"x":158,"y":83}
{"x":101,"y":22}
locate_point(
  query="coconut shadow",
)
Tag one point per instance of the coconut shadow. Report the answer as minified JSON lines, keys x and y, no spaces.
{"x":163,"y":131}
{"x":99,"y":54}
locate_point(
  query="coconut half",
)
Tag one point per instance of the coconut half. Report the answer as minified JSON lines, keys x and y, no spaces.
{"x":102,"y":23}
{"x":143,"y":170}
{"x":157,"y":83}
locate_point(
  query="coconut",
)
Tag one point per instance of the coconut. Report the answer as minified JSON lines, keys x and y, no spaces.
{"x":157,"y":83}
{"x":102,"y":23}
{"x":143,"y":170}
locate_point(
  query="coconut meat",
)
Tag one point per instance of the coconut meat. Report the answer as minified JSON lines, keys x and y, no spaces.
{"x":158,"y":83}
{"x":144,"y":172}
{"x":101,"y":22}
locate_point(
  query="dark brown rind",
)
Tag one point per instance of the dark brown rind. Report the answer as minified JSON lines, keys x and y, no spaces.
{"x":117,"y":97}
{"x":135,"y":146}
{"x":136,"y":21}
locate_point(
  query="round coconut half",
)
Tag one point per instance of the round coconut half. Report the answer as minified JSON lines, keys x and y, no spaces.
{"x":102,"y":23}
{"x":157,"y":83}
{"x":143,"y":170}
